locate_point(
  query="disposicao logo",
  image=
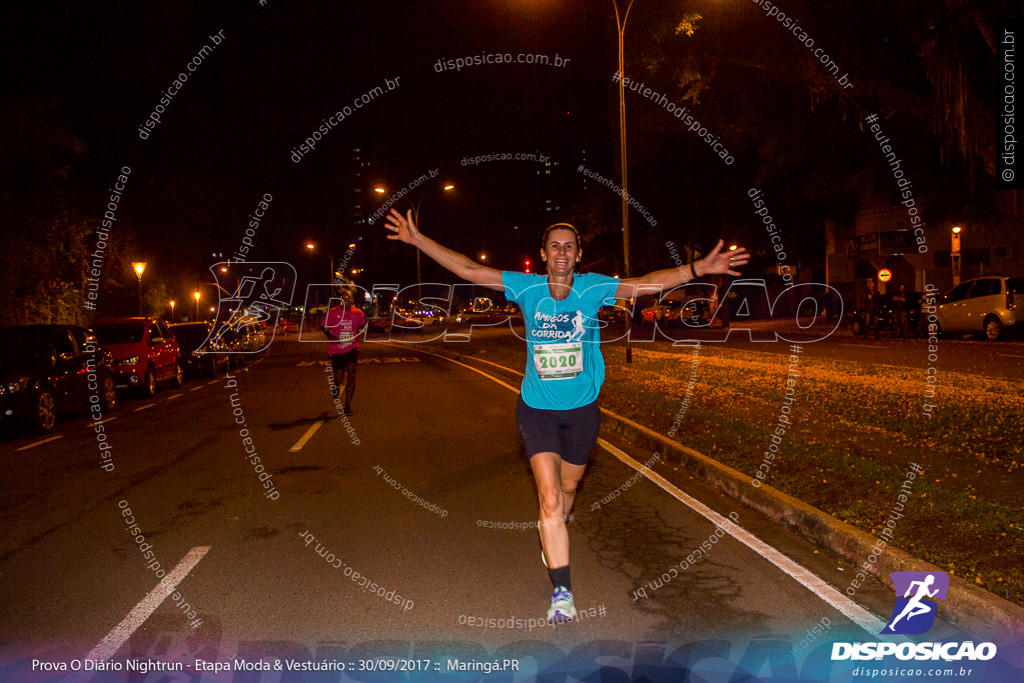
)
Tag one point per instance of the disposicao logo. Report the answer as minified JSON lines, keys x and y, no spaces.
{"x":914,"y":612}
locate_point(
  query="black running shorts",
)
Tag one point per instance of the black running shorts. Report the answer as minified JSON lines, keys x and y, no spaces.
{"x":569,"y":433}
{"x":340,"y":361}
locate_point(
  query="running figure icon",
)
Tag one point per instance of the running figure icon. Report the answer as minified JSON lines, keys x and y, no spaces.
{"x":916,"y":605}
{"x":578,"y":329}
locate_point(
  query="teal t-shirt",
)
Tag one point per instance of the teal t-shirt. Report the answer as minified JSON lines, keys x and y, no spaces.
{"x":564,"y":366}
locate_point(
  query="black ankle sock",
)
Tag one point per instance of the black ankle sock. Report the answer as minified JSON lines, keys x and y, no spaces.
{"x":560,"y":577}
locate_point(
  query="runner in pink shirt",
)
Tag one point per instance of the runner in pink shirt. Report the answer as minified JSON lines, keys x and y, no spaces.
{"x":343,"y":323}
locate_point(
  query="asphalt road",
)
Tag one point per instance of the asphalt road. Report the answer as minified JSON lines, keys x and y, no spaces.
{"x":278,"y":574}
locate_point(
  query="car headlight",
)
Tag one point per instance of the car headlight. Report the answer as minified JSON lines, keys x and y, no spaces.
{"x":13,"y":386}
{"x":128,"y":361}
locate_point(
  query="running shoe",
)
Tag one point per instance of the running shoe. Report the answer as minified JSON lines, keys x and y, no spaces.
{"x":562,"y":609}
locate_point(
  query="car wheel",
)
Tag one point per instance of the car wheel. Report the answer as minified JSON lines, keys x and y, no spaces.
{"x":993,"y":328}
{"x":179,"y":376}
{"x":857,"y":326}
{"x":148,"y":387}
{"x":109,"y":394}
{"x":44,"y":411}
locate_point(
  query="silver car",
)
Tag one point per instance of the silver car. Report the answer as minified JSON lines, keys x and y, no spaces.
{"x":983,"y":305}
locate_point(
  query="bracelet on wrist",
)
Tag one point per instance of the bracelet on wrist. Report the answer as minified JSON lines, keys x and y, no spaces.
{"x":693,"y":269}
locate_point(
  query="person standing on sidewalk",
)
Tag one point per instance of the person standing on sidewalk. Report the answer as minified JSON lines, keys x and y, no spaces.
{"x":871,"y":308}
{"x":557,"y":411}
{"x":900,"y":311}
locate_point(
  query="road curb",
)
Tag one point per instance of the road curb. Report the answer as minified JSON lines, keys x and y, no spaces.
{"x":966,"y":605}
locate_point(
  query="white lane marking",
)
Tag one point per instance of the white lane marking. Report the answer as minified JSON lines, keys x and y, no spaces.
{"x":1009,"y":355}
{"x":145,"y":407}
{"x":39,"y":443}
{"x":854,"y":612}
{"x":101,"y":422}
{"x":171,"y":398}
{"x":307,"y":436}
{"x":196,"y":388}
{"x":120,"y":634}
{"x":212,"y":381}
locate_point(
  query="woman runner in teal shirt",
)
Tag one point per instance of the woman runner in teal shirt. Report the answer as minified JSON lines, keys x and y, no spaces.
{"x":557,"y":413}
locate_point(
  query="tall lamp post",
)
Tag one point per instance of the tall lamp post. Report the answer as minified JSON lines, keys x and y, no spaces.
{"x":955,"y":255}
{"x":172,"y":310}
{"x":620,"y":21}
{"x":139,"y":267}
{"x":196,"y":295}
{"x":416,"y":219}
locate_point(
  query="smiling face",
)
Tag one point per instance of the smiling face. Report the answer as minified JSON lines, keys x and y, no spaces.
{"x":561,"y":252}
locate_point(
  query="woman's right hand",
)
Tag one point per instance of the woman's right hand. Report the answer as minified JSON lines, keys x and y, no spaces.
{"x":403,"y":227}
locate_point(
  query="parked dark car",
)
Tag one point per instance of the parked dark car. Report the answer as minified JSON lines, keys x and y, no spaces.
{"x":46,"y":370}
{"x":199,"y":359}
{"x":145,"y":352}
{"x":886,"y":314}
{"x":612,"y":314}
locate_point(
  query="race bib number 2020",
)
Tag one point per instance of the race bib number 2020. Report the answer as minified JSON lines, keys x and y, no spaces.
{"x":558,"y":361}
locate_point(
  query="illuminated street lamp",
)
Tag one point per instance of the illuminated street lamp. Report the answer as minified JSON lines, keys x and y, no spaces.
{"x":172,"y":310}
{"x":416,"y":219}
{"x":196,"y":295}
{"x":955,"y":255}
{"x":139,"y":267}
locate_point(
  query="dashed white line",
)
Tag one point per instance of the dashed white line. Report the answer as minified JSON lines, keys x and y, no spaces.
{"x":120,"y":634}
{"x":307,"y":436}
{"x":39,"y":443}
{"x":145,"y":407}
{"x":174,"y":396}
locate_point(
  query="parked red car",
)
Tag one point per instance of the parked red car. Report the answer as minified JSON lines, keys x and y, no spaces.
{"x":145,"y":352}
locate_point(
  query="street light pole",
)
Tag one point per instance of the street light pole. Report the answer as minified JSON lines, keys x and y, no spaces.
{"x":620,"y":21}
{"x":955,"y":254}
{"x":416,"y":220}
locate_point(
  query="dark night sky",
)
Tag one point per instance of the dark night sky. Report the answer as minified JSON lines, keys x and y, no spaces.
{"x":225,"y":139}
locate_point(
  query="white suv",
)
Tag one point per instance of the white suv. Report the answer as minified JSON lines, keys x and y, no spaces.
{"x":983,"y":305}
